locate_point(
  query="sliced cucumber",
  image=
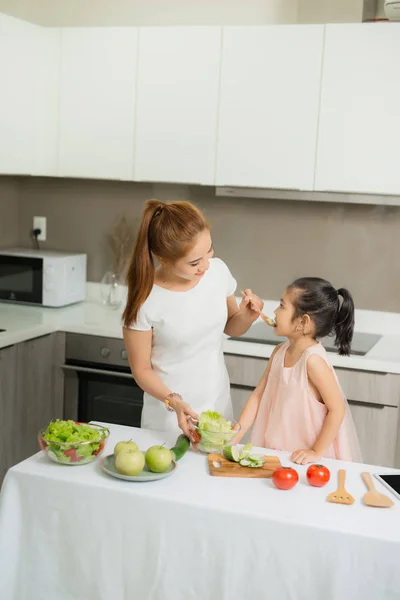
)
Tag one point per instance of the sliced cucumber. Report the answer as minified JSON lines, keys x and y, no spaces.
{"x":182,"y":445}
{"x":245,"y":451}
{"x":232,"y":453}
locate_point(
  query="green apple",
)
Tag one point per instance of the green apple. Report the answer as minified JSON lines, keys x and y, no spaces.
{"x":158,"y":459}
{"x":130,"y":462}
{"x":124,"y":446}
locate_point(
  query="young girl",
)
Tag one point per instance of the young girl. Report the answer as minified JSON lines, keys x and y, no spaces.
{"x":298,"y":405}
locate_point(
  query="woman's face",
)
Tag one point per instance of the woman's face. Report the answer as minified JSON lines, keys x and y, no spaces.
{"x":197,"y":260}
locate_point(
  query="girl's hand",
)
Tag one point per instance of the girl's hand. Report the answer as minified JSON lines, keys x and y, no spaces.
{"x":302,"y":457}
{"x":251,"y":304}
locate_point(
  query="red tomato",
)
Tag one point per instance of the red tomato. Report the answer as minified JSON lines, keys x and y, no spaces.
{"x":73,"y":455}
{"x":318,"y":475}
{"x":285,"y":478}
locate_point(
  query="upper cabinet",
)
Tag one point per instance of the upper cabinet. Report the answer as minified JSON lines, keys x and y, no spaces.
{"x":359,"y":129}
{"x":177,"y":104}
{"x":97,"y":102}
{"x":268,"y":110}
{"x":29,"y":64}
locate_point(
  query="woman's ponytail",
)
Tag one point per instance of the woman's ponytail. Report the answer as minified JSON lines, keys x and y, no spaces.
{"x":140,"y":275}
{"x":344,"y":325}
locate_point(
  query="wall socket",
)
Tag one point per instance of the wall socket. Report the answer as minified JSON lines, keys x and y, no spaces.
{"x":40,"y":223}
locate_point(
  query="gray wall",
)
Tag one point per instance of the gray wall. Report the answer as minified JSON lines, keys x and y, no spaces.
{"x":266,"y":243}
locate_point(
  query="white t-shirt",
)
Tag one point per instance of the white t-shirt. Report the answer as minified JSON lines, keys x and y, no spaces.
{"x":187,"y":345}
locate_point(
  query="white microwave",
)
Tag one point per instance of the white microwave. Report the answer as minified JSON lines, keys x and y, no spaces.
{"x":42,"y":277}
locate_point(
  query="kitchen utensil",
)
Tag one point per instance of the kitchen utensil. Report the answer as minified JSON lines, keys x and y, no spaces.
{"x":222,"y":467}
{"x":108,"y":465}
{"x":267,"y":320}
{"x":341,"y":496}
{"x":373,"y":497}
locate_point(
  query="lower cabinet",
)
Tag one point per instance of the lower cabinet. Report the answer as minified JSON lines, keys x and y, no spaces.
{"x":374,"y":400}
{"x":31,"y":395}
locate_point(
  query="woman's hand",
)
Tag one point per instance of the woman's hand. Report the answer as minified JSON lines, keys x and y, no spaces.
{"x":184,"y":414}
{"x":251,"y":305}
{"x":302,"y":457}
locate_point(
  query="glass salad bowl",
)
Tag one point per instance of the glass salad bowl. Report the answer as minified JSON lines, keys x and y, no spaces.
{"x":211,"y":441}
{"x":73,"y":443}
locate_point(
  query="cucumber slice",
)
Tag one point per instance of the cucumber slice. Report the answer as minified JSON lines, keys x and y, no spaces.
{"x":245,"y":462}
{"x":246,"y":451}
{"x":182,"y":445}
{"x":232,"y":453}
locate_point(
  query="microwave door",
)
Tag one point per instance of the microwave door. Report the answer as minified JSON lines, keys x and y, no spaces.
{"x":21,"y":279}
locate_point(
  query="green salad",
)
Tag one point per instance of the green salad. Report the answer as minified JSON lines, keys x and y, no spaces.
{"x":64,"y":440}
{"x":215,"y":431}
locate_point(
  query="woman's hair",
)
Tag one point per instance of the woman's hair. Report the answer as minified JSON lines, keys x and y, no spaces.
{"x":167,"y":231}
{"x":332,"y":311}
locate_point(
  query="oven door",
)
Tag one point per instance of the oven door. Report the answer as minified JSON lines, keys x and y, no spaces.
{"x":21,"y":279}
{"x":95,"y":394}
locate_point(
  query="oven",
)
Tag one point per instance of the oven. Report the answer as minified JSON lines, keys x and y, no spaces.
{"x":98,"y":383}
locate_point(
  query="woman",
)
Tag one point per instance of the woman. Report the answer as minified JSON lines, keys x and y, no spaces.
{"x":176,"y":315}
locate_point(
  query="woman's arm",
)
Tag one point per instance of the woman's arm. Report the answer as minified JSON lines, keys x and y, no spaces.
{"x":250,"y":409}
{"x":240,"y":318}
{"x":138,"y":347}
{"x":323,"y":379}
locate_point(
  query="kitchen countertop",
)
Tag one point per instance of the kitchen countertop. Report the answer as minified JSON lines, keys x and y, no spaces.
{"x":93,"y":318}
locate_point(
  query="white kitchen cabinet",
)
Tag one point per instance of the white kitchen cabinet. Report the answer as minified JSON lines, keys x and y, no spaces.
{"x":17,"y":69}
{"x":359,"y":128}
{"x":97,"y":102}
{"x":29,"y":66}
{"x":177,"y":104}
{"x":268,"y":111}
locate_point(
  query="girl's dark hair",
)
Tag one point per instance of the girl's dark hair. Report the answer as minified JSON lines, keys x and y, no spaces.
{"x":332,"y":311}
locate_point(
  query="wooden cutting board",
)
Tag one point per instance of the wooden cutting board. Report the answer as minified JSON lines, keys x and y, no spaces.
{"x":232,"y":469}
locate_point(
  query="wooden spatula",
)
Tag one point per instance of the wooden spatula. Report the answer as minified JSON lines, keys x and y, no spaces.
{"x":341,"y":496}
{"x":373,"y":497}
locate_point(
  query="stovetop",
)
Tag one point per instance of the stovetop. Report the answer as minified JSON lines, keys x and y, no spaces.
{"x":262,"y":334}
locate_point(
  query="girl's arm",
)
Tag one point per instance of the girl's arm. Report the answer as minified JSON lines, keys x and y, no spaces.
{"x":138,"y":347}
{"x":323,"y":379}
{"x":240,"y":318}
{"x":250,"y":409}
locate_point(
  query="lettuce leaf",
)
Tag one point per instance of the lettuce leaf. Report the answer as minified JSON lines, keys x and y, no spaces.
{"x":215,"y":431}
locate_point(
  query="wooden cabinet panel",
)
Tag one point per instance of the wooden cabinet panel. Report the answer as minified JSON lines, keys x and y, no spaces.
{"x":377,"y":428}
{"x":245,"y":370}
{"x":10,"y":436}
{"x":368,"y":387}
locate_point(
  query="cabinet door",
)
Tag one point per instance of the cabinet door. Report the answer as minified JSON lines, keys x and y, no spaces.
{"x":36,"y":401}
{"x":268,"y":112}
{"x":10,"y":437}
{"x":97,"y":102}
{"x":46,"y":53}
{"x":16,"y":107}
{"x":177,"y":104}
{"x":359,"y":127}
{"x":376,"y":427}
{"x":239,"y":396}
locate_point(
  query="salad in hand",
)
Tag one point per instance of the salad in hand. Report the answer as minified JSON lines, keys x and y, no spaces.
{"x":214,"y":432}
{"x":69,"y":442}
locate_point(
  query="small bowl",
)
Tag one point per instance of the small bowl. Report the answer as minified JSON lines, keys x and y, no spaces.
{"x":67,"y":453}
{"x":213,"y":442}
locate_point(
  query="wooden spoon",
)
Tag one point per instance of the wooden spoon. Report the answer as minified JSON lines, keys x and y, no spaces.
{"x":373,"y":497}
{"x":341,"y":496}
{"x":267,"y":320}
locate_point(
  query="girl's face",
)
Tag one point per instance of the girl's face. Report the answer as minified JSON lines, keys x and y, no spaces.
{"x":197,"y":260}
{"x":286,"y":326}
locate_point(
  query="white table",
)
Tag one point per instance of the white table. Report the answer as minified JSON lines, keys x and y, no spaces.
{"x":76,"y":534}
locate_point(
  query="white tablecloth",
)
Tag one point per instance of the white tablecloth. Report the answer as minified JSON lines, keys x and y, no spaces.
{"x":73,"y":533}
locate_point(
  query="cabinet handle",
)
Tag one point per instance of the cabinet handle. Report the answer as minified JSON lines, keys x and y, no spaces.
{"x":367,"y":404}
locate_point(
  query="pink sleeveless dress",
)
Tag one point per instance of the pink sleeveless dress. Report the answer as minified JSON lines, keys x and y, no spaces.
{"x":290,"y":417}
